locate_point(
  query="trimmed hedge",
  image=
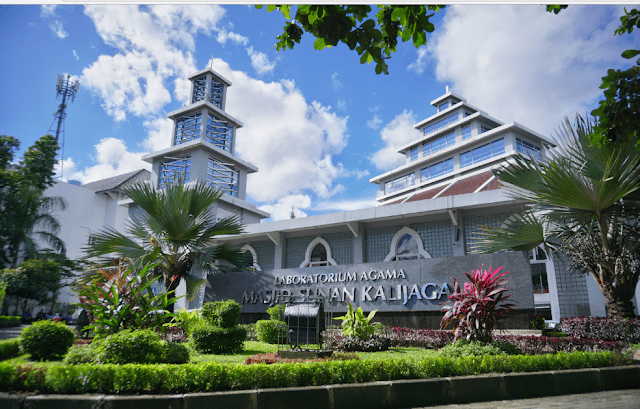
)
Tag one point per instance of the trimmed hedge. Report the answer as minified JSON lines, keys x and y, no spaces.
{"x":9,"y":321}
{"x":606,"y":329}
{"x":47,"y":340}
{"x":9,"y":348}
{"x":225,"y":314}
{"x":208,"y":339}
{"x":171,"y":379}
{"x":268,"y":330}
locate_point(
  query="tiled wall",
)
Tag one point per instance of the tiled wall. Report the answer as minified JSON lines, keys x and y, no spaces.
{"x":437,"y":237}
{"x":572,"y":291}
{"x":266,"y":252}
{"x":341,"y":248}
{"x":472,"y":223}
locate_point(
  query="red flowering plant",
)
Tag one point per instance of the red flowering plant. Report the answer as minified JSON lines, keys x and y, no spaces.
{"x":475,"y":310}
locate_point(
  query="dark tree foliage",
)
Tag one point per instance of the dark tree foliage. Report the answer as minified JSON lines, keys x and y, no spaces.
{"x":373,"y":37}
{"x":24,"y":212}
{"x":38,"y":280}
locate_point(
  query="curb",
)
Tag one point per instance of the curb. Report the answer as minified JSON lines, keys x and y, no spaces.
{"x":374,"y":395}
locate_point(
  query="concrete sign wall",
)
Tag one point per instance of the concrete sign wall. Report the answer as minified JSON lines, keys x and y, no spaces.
{"x":398,"y":286}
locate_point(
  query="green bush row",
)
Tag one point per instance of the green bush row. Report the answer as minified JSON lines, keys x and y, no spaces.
{"x":158,"y":379}
{"x":9,"y":348}
{"x":9,"y":321}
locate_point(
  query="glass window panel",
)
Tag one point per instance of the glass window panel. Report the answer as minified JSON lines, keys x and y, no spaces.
{"x":414,"y":154}
{"x":438,"y":169}
{"x":539,"y":278}
{"x":481,"y":153}
{"x":215,"y":93}
{"x":218,"y":132}
{"x":187,"y":128}
{"x":407,"y":245}
{"x":199,"y":85}
{"x":400,"y":183}
{"x":222,"y":176}
{"x":466,"y":132}
{"x":441,"y":124}
{"x":527,"y":148}
{"x":174,"y":170}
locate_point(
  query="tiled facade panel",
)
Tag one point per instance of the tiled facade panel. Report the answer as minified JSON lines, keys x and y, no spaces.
{"x":437,"y":237}
{"x":265,"y":251}
{"x":472,"y":224}
{"x":572,"y":292}
{"x":341,"y":248}
{"x":295,"y":249}
{"x":377,"y":243}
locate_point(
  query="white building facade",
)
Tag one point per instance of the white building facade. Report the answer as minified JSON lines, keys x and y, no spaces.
{"x":398,"y":257}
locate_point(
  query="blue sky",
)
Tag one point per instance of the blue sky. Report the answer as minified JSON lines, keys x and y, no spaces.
{"x":318,"y":124}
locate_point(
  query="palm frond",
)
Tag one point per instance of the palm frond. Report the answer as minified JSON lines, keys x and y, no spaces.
{"x":521,"y":231}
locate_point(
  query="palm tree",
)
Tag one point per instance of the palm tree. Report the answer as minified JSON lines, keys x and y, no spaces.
{"x":29,"y":221}
{"x":584,"y":203}
{"x":176,"y":230}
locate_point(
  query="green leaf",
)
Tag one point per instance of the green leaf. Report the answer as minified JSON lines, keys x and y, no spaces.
{"x":319,"y":44}
{"x":271,"y":7}
{"x":630,"y":53}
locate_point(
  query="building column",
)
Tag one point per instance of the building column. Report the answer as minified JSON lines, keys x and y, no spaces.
{"x":457,"y":224}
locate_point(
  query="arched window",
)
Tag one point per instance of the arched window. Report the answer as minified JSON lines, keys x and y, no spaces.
{"x":543,"y":278}
{"x":248,"y":248}
{"x":318,"y":254}
{"x":406,"y":245}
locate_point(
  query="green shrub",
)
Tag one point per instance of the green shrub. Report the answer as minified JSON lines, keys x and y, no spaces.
{"x":268,"y":330}
{"x":464,"y":348}
{"x":9,"y":321}
{"x":277,"y":312}
{"x":129,"y":347}
{"x":209,"y":339}
{"x":251,"y":331}
{"x":175,"y":353}
{"x":47,"y":340}
{"x":81,"y":354}
{"x":9,"y":348}
{"x":225,"y":314}
{"x":210,"y":377}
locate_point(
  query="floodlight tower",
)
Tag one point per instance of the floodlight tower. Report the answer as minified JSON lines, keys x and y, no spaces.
{"x":65,"y":88}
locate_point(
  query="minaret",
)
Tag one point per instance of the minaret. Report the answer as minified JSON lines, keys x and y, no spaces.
{"x":203,"y":148}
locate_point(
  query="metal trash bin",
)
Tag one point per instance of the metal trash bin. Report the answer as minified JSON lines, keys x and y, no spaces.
{"x":306,"y":323}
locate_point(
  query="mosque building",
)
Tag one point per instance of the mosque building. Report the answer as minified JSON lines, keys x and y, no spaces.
{"x":399,"y":257}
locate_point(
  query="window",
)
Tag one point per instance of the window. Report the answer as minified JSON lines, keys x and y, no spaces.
{"x":248,"y":249}
{"x":466,"y":132}
{"x":318,"y":254}
{"x":223,"y":176}
{"x":215,"y":93}
{"x":173,"y":171}
{"x":484,"y":129}
{"x":438,"y":169}
{"x":400,"y":183}
{"x":218,"y":132}
{"x":527,"y":148}
{"x":414,"y":154}
{"x":441,"y":124}
{"x":481,"y":153}
{"x":541,"y":264}
{"x":467,"y":113}
{"x":439,"y":144}
{"x":187,"y":128}
{"x":199,"y":85}
{"x":444,"y":106}
{"x":406,"y":245}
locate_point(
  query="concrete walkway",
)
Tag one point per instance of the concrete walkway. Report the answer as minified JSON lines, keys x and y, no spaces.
{"x":11,"y":332}
{"x":626,"y":399}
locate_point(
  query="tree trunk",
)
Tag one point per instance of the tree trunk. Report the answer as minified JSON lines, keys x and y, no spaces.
{"x":171,"y":285}
{"x":618,"y":301}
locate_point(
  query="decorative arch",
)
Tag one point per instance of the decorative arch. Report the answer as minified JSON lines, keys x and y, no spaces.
{"x":254,"y":254}
{"x":307,"y":257}
{"x":393,"y":251}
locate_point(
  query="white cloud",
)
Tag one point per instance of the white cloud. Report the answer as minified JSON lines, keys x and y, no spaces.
{"x":75,"y":54}
{"x":281,"y":210}
{"x":291,"y":140}
{"x":335,"y":82}
{"x":48,"y":11}
{"x":154,"y":43}
{"x":376,"y":120}
{"x":342,"y":104}
{"x":396,"y":133}
{"x":521,"y":63}
{"x":223,"y":36}
{"x":159,"y":134}
{"x":111,"y":158}
{"x":345,"y":205}
{"x":260,"y":62}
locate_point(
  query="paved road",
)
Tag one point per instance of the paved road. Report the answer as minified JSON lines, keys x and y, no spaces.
{"x":625,"y":399}
{"x":12,"y":332}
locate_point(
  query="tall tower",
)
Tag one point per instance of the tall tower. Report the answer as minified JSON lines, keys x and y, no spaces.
{"x":203,"y":148}
{"x":67,"y":89}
